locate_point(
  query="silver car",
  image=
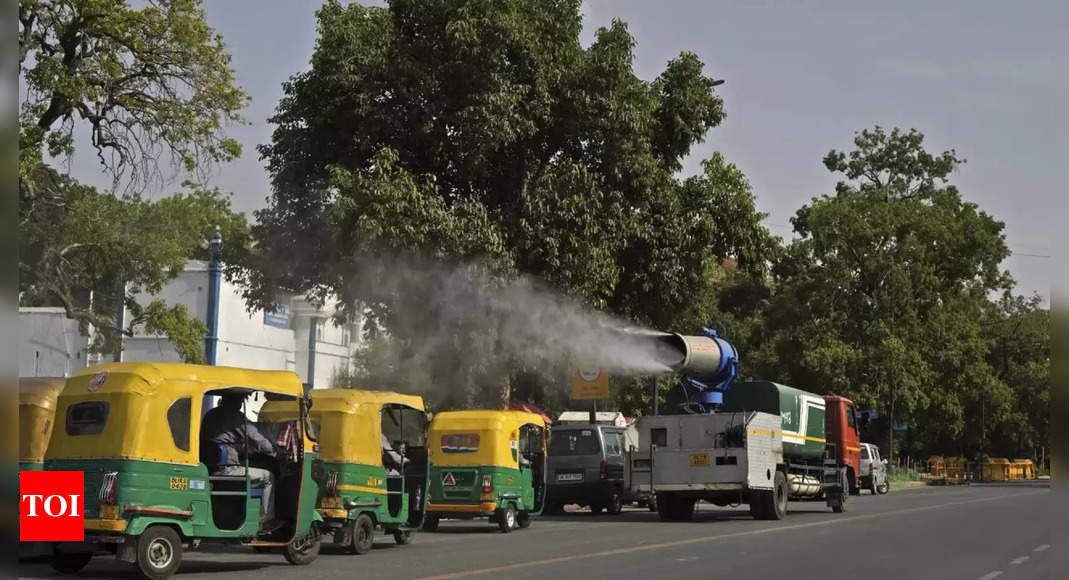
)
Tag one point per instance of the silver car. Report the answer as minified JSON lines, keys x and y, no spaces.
{"x":874,"y":476}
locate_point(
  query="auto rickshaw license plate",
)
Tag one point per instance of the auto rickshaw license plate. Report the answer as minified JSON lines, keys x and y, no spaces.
{"x":330,"y":502}
{"x":699,"y":459}
{"x":109,"y":512}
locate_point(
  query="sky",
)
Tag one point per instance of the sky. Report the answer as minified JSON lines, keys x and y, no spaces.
{"x":985,"y":78}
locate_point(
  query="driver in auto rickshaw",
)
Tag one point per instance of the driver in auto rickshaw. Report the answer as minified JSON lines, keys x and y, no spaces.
{"x":227,"y":426}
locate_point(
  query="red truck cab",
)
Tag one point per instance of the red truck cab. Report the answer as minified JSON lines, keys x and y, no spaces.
{"x":840,"y":427}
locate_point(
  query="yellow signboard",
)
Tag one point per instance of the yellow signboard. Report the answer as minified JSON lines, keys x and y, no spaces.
{"x":590,"y":383}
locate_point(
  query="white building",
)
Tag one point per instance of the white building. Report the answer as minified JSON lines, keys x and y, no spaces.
{"x":53,"y":346}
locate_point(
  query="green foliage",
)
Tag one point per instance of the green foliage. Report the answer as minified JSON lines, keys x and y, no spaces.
{"x":484,"y":132}
{"x":882,"y":296}
{"x":145,"y":83}
{"x":185,"y":332}
{"x":148,"y":84}
{"x":76,"y":253}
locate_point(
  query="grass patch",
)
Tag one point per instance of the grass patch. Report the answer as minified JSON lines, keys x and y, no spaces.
{"x":905,"y":474}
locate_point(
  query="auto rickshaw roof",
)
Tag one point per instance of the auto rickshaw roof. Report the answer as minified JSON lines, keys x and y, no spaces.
{"x":40,"y":391}
{"x":484,"y":419}
{"x":147,"y":378}
{"x":348,"y":400}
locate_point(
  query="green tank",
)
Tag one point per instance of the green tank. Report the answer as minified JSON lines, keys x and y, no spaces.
{"x":802,"y":413}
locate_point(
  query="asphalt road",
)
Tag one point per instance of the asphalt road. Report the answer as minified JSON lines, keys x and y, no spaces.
{"x":978,"y":532}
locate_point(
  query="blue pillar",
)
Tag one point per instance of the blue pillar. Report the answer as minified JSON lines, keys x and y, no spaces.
{"x":215,"y":276}
{"x":313,"y":323}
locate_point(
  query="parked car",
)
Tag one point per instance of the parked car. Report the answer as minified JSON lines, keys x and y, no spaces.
{"x":874,"y":471}
{"x":586,"y":467}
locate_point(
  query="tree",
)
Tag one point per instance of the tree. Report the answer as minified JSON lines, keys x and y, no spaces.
{"x":882,"y":295}
{"x":145,"y":83}
{"x":151,"y":86}
{"x":484,"y":132}
{"x":77,"y":254}
{"x":1018,"y":329}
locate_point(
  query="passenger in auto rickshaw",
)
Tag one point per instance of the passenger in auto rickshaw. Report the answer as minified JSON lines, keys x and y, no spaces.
{"x":228,"y":427}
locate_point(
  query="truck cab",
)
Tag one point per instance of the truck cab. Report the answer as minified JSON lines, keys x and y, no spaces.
{"x":841,"y":431}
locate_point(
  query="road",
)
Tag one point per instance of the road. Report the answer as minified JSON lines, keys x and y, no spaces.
{"x":978,"y":532}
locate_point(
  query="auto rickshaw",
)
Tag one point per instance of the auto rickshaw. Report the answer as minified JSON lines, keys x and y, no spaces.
{"x":374,"y":452}
{"x":37,"y":415}
{"x":152,"y":485}
{"x":487,"y":464}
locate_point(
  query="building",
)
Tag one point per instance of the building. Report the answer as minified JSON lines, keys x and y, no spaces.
{"x":299,"y":336}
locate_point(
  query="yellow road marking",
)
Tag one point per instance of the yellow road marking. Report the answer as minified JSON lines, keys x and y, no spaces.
{"x":689,"y":541}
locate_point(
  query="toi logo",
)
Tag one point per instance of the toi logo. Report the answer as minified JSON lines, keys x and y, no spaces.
{"x":51,"y":506}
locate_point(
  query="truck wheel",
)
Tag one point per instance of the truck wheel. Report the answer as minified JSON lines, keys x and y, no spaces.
{"x":159,"y":552}
{"x":614,"y":506}
{"x":363,"y":534}
{"x":666,"y":506}
{"x":70,"y":562}
{"x":301,"y":552}
{"x":780,"y":491}
{"x":506,"y":518}
{"x":430,"y":522}
{"x":685,"y":509}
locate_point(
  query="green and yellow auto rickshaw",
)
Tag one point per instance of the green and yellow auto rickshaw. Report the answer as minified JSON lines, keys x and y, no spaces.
{"x":374,"y":451}
{"x":486,"y":464}
{"x":37,"y":416}
{"x":153,"y":484}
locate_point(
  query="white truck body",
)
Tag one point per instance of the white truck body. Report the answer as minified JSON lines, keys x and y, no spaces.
{"x":706,"y":453}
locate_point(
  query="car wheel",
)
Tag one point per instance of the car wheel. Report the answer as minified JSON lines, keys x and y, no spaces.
{"x":159,"y":552}
{"x":614,"y":506}
{"x":884,"y":487}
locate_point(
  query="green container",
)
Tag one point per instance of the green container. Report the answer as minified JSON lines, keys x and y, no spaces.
{"x":802,"y":413}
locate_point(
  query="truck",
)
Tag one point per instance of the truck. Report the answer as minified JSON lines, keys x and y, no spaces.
{"x":730,"y":443}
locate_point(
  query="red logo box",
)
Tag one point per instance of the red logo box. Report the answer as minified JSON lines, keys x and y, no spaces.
{"x":51,"y":506}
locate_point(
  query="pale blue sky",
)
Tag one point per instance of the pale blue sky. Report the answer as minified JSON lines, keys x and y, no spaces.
{"x":987,"y":78}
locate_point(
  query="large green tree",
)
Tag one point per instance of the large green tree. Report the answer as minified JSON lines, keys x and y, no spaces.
{"x":152,"y":89}
{"x":484,"y":131}
{"x":882,"y":295}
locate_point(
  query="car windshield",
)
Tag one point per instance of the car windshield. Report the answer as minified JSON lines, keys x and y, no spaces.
{"x":578,"y":442}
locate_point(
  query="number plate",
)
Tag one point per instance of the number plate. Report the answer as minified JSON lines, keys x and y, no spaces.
{"x":109,"y":512}
{"x":179,"y":483}
{"x":569,"y":477}
{"x":699,"y":459}
{"x":330,"y":502}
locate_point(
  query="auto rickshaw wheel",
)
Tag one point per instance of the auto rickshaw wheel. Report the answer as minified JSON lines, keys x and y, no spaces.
{"x":302,"y":551}
{"x":523,"y":520}
{"x":430,"y":522}
{"x":506,"y":518}
{"x":402,"y":537}
{"x":159,"y":552}
{"x":362,"y":537}
{"x":70,"y":562}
